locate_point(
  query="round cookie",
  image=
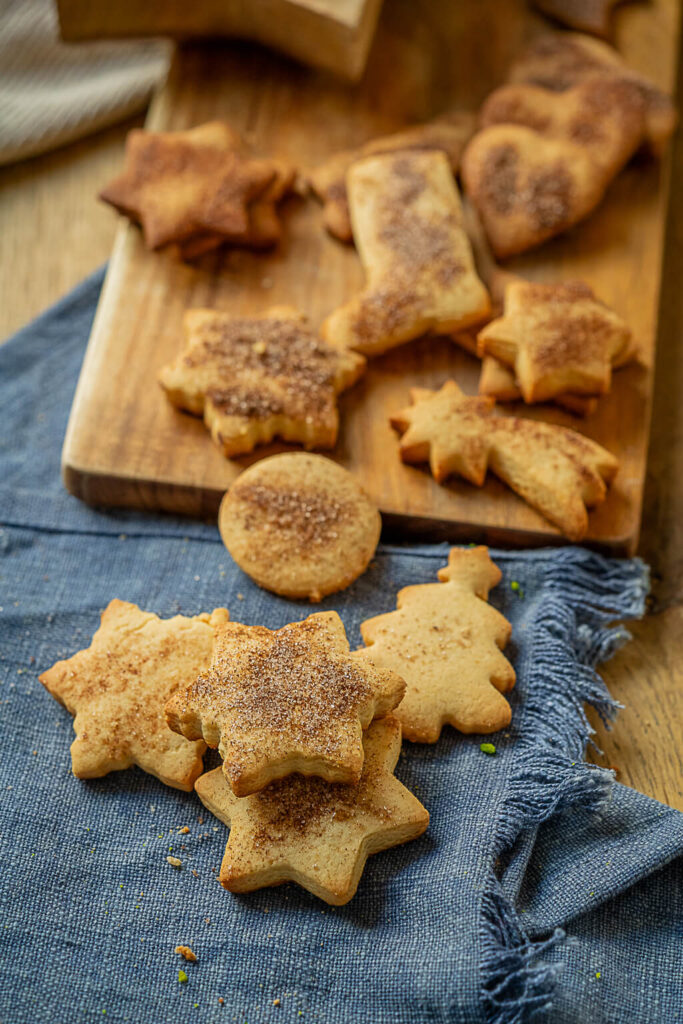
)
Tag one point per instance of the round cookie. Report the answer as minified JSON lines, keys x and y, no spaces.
{"x":299,"y":525}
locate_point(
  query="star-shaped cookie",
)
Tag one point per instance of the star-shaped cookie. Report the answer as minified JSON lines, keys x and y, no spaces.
{"x":286,"y":700}
{"x":256,"y":378}
{"x":180,"y":184}
{"x":408,"y":228}
{"x":498,"y":381}
{"x":317,"y":834}
{"x":557,"y":471}
{"x":264,"y":228}
{"x":446,"y":642}
{"x":117,"y":688}
{"x":557,"y":338}
{"x":328,"y":181}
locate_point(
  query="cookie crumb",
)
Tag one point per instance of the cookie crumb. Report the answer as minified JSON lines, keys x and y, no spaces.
{"x":187,"y":953}
{"x":276,"y":1002}
{"x":174,"y":861}
{"x":221,"y":1000}
{"x":184,"y":830}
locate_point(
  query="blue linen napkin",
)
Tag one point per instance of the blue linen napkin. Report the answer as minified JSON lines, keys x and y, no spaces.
{"x":542,"y":889}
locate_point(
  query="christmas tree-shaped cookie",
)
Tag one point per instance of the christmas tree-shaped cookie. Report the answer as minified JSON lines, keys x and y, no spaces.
{"x":446,"y":642}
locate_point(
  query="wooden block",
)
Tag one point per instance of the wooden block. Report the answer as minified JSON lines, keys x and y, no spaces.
{"x":332,"y":34}
{"x":126,"y":445}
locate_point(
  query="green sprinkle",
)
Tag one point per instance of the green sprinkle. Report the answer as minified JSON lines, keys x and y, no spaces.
{"x":598,"y":974}
{"x":516,"y":588}
{"x":196,"y":1006}
{"x":487,"y":748}
{"x":182,"y":977}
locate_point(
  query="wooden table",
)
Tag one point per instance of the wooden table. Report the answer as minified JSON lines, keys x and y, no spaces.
{"x":53,"y":232}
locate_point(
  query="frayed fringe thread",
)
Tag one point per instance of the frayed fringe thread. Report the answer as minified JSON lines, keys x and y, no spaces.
{"x":521,"y":986}
{"x":584,"y":594}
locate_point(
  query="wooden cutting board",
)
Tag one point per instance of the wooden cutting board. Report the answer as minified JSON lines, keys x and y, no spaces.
{"x":126,"y":445}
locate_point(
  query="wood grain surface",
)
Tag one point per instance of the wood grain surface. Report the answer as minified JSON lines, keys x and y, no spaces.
{"x":126,"y":445}
{"x":53,"y":232}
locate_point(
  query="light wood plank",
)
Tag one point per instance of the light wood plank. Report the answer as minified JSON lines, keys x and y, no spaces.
{"x":127,"y":446}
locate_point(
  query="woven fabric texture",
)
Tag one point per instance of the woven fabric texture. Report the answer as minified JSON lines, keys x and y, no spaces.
{"x":542,"y":890}
{"x":53,"y":92}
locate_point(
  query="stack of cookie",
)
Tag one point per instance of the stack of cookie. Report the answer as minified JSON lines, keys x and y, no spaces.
{"x":553,"y":343}
{"x":196,"y":190}
{"x":308,"y":731}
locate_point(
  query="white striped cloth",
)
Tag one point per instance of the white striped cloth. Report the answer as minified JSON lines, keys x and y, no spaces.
{"x":53,"y":92}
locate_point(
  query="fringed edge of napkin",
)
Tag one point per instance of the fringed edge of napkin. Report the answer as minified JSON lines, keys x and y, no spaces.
{"x":584,"y":594}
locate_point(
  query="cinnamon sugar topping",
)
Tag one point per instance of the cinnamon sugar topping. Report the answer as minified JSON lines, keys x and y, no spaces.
{"x":284,"y":681}
{"x":295,"y":370}
{"x":281,"y":701}
{"x":298,"y":806}
{"x":303,"y":516}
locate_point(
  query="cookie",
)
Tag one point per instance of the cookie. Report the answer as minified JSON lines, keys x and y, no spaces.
{"x":446,"y":642}
{"x":559,"y":60}
{"x":299,"y":525}
{"x":555,"y":470}
{"x":260,"y":377}
{"x":264,"y":229}
{"x":328,"y":181}
{"x":498,"y":381}
{"x":317,"y":834}
{"x":286,"y":700}
{"x":180,"y":184}
{"x":117,"y":688}
{"x":543,"y":161}
{"x":605,"y":117}
{"x":557,"y":338}
{"x":408,"y":228}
